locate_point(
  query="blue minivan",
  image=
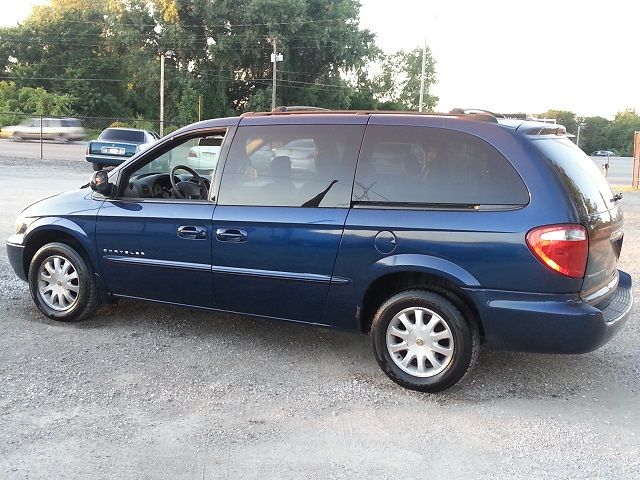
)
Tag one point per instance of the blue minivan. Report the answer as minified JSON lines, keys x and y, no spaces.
{"x":432,"y":233}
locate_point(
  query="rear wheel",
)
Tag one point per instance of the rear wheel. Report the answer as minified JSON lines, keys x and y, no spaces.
{"x":63,"y":284}
{"x":423,"y":342}
{"x":97,"y":167}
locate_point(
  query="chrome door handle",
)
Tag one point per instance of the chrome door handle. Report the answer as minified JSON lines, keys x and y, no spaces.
{"x":192,"y":232}
{"x":231,"y":235}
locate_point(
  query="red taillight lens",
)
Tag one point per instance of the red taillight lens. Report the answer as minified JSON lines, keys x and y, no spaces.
{"x":562,"y":248}
{"x":192,"y":154}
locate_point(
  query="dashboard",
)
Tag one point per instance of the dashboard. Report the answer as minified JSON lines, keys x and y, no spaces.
{"x":155,"y":185}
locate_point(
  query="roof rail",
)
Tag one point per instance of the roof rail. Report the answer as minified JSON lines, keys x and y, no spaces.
{"x":458,"y":113}
{"x":475,"y":111}
{"x":299,"y":108}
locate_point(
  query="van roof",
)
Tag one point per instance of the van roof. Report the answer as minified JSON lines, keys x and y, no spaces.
{"x":479,"y":115}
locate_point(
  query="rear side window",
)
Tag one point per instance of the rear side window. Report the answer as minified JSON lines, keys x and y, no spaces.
{"x":582,"y":178}
{"x":433,"y":166}
{"x":72,"y":123}
{"x":123,"y":135}
{"x":291,"y":166}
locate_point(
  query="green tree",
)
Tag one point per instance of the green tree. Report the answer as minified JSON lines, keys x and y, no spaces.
{"x":104,"y":55}
{"x":32,"y":101}
{"x":411,"y":71}
{"x":594,"y":134}
{"x":61,"y":48}
{"x":397,"y":85}
{"x":621,"y":130}
{"x":565,"y":118}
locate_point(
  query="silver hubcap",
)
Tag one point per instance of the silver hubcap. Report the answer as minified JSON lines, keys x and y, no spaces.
{"x":58,"y":283}
{"x":420,"y":342}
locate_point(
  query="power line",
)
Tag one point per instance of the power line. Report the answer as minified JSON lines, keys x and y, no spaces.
{"x":261,"y":81}
{"x":65,"y":79}
{"x":207,"y":25}
{"x":204,"y":41}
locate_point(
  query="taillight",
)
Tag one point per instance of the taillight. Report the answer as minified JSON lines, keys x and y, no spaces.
{"x":562,"y":248}
{"x":193,"y":154}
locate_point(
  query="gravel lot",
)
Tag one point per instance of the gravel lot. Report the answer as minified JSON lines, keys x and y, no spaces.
{"x":148,"y":391}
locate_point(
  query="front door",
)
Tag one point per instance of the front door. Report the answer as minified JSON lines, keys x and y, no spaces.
{"x":284,"y":197}
{"x":154,"y":239}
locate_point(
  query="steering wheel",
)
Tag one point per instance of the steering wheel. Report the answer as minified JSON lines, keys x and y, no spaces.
{"x":188,"y":189}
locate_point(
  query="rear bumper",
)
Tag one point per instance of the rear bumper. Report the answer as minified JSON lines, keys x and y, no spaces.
{"x":545,"y":323}
{"x":106,"y":159}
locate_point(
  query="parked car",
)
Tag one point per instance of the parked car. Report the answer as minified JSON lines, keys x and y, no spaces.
{"x":58,"y":129}
{"x":115,"y":145}
{"x":603,"y":153}
{"x":434,"y":234}
{"x":203,"y":157}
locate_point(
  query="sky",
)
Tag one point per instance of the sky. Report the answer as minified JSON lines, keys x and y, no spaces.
{"x":507,"y":56}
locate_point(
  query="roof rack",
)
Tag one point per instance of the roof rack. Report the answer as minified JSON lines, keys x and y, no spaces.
{"x":475,"y":114}
{"x":475,"y":111}
{"x":299,"y":108}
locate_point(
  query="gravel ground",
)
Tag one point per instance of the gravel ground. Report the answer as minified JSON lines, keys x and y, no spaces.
{"x":148,"y":391}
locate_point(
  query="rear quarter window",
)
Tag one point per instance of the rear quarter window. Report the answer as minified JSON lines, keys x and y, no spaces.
{"x":433,"y":166}
{"x":581,"y":177}
{"x":71,"y":123}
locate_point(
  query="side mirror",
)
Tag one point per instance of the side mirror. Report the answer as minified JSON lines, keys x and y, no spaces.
{"x":100,"y":182}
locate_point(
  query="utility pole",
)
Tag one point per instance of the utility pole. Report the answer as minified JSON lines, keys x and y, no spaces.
{"x":424,"y":58}
{"x":275,"y":57}
{"x":580,"y":125}
{"x":273,"y":87}
{"x":199,"y":107}
{"x":162,"y":94}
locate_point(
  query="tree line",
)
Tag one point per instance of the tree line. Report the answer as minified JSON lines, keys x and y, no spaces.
{"x":102,"y":58}
{"x":599,"y":133}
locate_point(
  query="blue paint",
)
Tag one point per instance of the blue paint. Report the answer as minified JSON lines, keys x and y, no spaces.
{"x":315,"y":265}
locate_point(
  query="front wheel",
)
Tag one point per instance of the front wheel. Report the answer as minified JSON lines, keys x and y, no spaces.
{"x":62,"y":284}
{"x":423,"y":342}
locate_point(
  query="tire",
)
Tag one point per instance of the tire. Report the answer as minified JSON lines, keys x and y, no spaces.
{"x":454,"y":352}
{"x":57,"y":297}
{"x":17,"y":138}
{"x":96,"y":167}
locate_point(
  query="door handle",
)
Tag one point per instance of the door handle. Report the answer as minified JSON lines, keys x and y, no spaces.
{"x":231,"y":235}
{"x":192,"y":232}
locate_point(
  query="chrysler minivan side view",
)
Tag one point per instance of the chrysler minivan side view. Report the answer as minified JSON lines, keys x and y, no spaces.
{"x":434,"y":234}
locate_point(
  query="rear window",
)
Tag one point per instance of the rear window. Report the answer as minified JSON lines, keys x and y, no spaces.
{"x":123,"y":135}
{"x":434,"y":167}
{"x":581,"y":177}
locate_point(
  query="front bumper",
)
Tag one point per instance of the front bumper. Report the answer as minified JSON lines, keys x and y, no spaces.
{"x":545,"y":323}
{"x":15,"y":252}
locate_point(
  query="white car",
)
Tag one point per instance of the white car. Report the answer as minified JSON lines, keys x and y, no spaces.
{"x":603,"y":153}
{"x":58,"y":129}
{"x":204,"y":156}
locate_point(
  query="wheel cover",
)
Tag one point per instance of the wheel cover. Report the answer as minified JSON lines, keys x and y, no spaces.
{"x":58,"y":283}
{"x":420,"y":342}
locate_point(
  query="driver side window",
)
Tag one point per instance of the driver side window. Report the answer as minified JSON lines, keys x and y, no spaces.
{"x":185,"y":171}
